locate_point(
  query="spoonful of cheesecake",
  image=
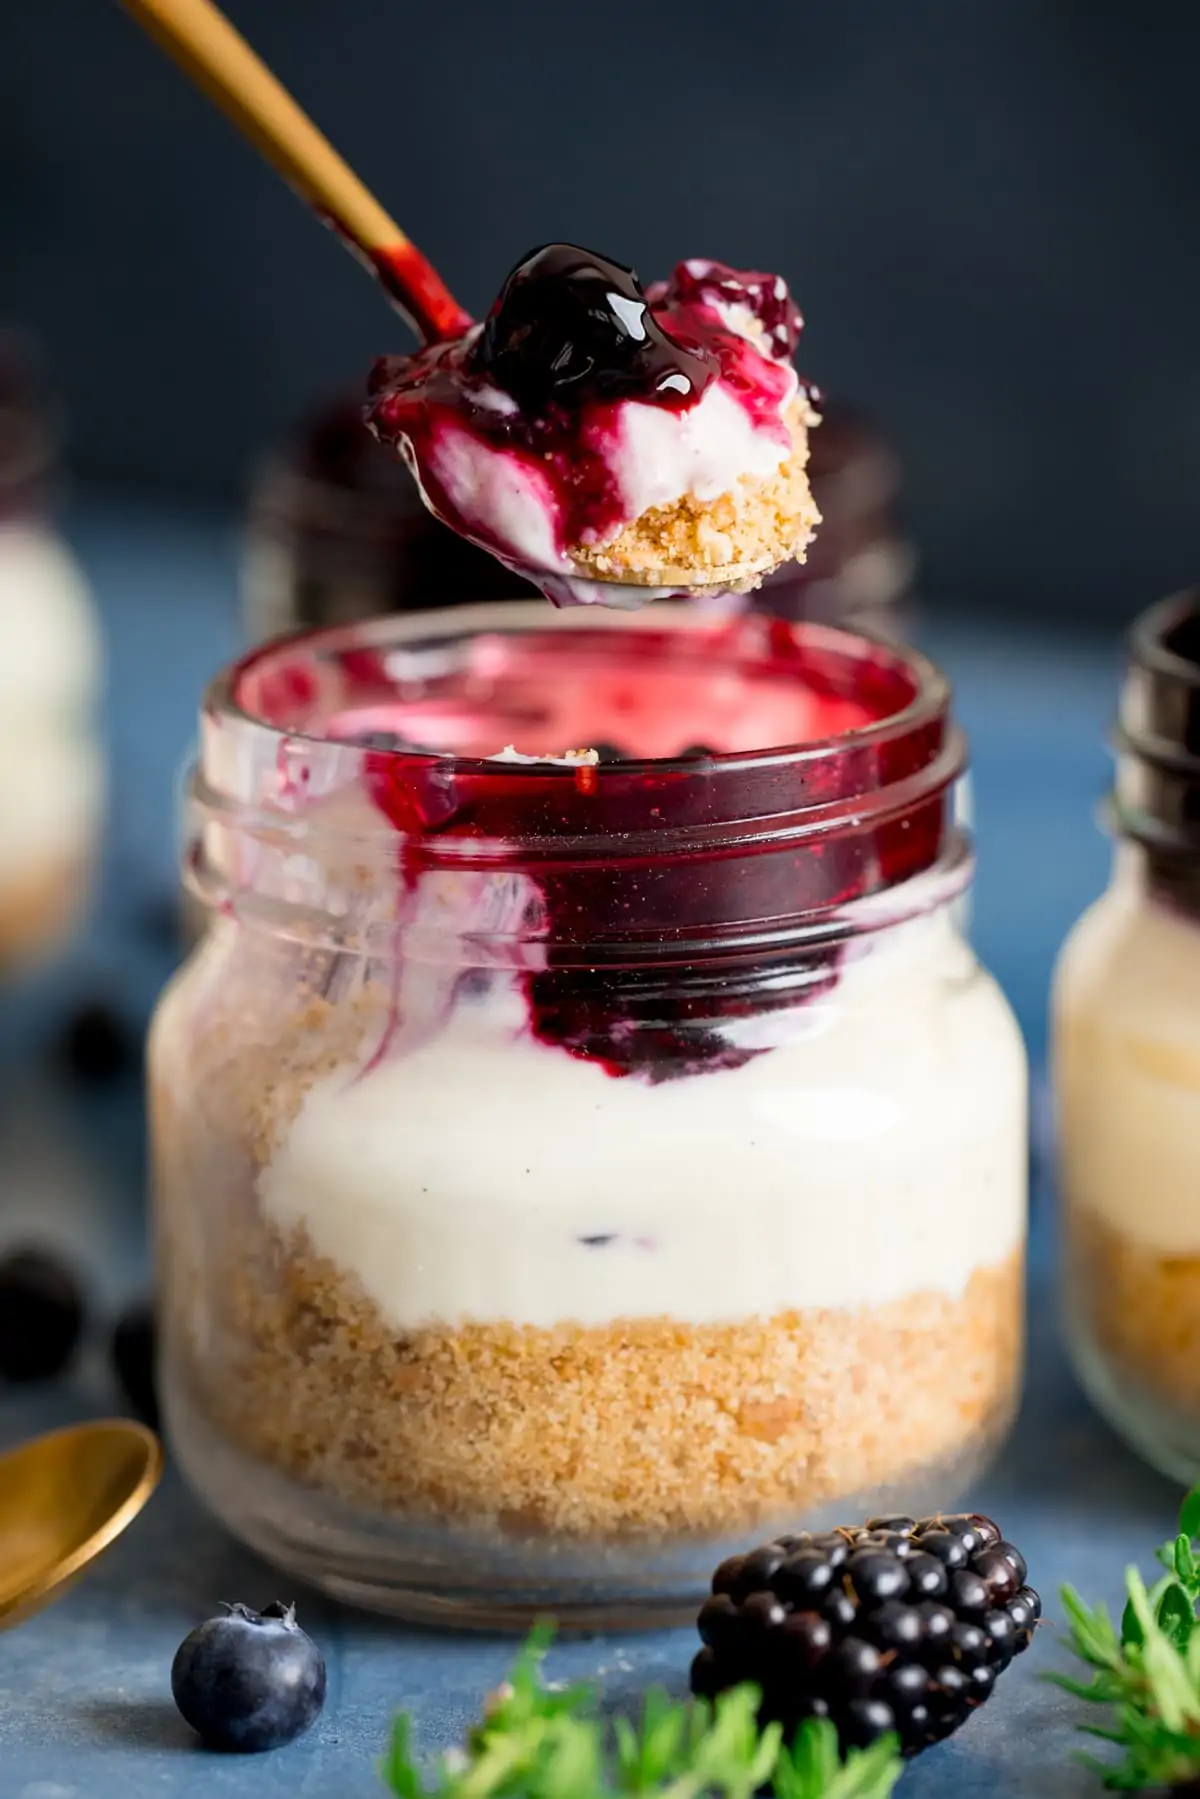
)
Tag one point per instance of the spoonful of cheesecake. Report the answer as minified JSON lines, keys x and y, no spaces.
{"x":611,"y":443}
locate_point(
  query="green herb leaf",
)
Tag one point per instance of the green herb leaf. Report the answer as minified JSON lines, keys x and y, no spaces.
{"x":1189,"y":1515}
{"x":534,"y":1743}
{"x":1175,"y":1616}
{"x":1148,"y":1679}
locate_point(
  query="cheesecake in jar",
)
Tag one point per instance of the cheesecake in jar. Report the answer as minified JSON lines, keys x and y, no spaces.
{"x":1127,"y":1067}
{"x":584,"y":1140}
{"x":51,"y":764}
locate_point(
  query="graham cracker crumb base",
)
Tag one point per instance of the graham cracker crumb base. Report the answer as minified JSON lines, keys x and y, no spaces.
{"x":646,"y":1427}
{"x":1142,"y":1308}
{"x":759,"y":523}
{"x":40,"y":909}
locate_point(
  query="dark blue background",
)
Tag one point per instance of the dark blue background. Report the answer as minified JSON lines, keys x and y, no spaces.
{"x":988,"y":209}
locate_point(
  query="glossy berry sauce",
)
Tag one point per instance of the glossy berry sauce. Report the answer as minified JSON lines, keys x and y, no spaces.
{"x":677,"y":888}
{"x":572,"y":339}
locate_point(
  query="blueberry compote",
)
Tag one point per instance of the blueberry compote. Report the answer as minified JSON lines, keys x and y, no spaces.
{"x":571,"y":328}
{"x":517,"y":430}
{"x":676,"y":885}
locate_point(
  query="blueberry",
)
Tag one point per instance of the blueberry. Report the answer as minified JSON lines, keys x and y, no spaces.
{"x":893,"y":1521}
{"x":571,"y":327}
{"x":132,"y":1351}
{"x":249,"y":1680}
{"x":41,"y":1315}
{"x":927,"y":1576}
{"x":876,"y":1575}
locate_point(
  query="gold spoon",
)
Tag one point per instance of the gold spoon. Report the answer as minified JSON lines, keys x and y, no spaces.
{"x":64,"y":1497}
{"x":221,"y":63}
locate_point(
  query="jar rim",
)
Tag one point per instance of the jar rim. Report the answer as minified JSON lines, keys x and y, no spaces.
{"x":1148,"y":637}
{"x":929,"y":698}
{"x":641,"y":855}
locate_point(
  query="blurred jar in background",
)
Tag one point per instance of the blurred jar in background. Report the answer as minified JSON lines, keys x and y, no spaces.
{"x":51,"y":768}
{"x":337,"y":533}
{"x":860,"y":566}
{"x":1127,"y":1067}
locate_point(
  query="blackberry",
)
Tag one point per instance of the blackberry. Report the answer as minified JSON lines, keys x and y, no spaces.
{"x":900,"y":1625}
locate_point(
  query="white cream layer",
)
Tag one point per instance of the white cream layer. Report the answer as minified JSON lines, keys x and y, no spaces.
{"x":51,"y":774}
{"x":49,"y":641}
{"x":1127,"y":1067}
{"x":879,"y":1150}
{"x":657,"y":457}
{"x":51,"y":791}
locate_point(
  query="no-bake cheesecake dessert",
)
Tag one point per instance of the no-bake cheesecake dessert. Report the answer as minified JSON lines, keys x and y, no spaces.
{"x":1127,"y":1067}
{"x":570,"y":1161}
{"x":593,"y":434}
{"x":51,"y":768}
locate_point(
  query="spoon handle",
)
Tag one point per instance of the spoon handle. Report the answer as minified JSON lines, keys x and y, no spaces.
{"x":221,"y":63}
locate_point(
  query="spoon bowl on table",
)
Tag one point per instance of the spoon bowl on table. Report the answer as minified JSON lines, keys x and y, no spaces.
{"x":64,"y":1497}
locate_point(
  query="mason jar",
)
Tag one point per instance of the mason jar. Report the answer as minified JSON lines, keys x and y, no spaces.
{"x":1127,"y":1067}
{"x":51,"y":766}
{"x":584,"y":1140}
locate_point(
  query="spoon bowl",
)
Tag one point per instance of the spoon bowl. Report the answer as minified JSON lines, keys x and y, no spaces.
{"x":64,"y":1497}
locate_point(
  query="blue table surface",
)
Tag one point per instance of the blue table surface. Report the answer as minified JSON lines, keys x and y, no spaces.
{"x":85,"y":1707}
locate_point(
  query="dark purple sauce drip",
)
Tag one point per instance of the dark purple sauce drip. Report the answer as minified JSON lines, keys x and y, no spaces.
{"x":659,"y":1017}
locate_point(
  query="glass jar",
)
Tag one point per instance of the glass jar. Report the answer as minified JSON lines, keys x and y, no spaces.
{"x":570,"y":1169}
{"x":51,"y":769}
{"x":337,"y":531}
{"x":1127,"y":1067}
